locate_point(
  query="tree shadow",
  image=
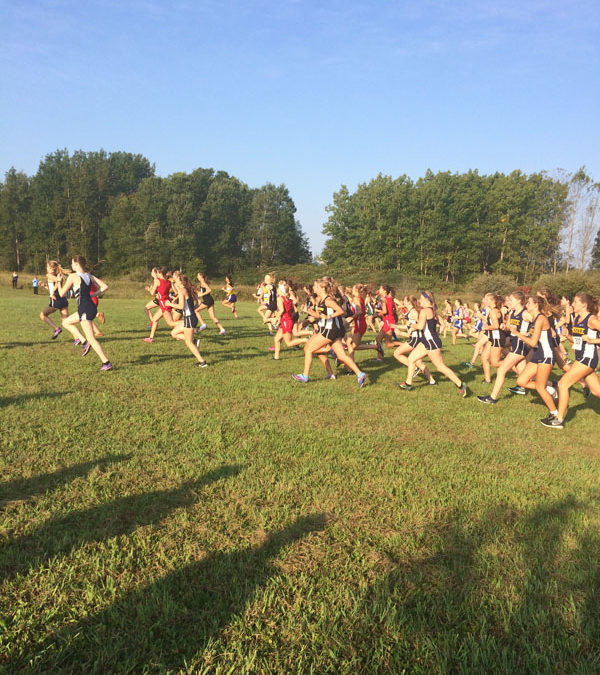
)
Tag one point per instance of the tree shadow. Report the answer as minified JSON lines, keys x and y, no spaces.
{"x":506,"y":592}
{"x":21,"y":398}
{"x":163,"y":625}
{"x":20,"y":489}
{"x":60,"y":536}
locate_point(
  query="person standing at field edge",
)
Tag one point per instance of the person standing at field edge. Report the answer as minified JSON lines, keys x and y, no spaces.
{"x":15,"y":278}
{"x":35,"y":283}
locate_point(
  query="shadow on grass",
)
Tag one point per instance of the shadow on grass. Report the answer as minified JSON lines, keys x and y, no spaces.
{"x":61,"y":535}
{"x":506,"y":592}
{"x":162,"y":626}
{"x":17,"y":345}
{"x":22,"y":398}
{"x":24,"y":488}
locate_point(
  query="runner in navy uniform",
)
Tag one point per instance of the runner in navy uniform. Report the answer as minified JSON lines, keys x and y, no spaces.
{"x":585,"y":332}
{"x":80,"y":280}
{"x":519,"y":319}
{"x":207,"y":302}
{"x":542,"y":357}
{"x":330,"y":335}
{"x":184,"y":329}
{"x":56,"y":304}
{"x":430,"y":344}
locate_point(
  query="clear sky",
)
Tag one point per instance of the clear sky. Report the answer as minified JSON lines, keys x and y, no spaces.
{"x":313,"y":94}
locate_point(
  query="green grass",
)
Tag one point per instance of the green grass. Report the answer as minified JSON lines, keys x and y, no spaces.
{"x":163,"y":518}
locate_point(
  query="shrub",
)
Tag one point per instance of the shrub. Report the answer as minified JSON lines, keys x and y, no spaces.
{"x":570,"y":283}
{"x":491,"y":283}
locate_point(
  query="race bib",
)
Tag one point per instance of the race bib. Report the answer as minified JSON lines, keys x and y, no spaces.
{"x":577,"y":343}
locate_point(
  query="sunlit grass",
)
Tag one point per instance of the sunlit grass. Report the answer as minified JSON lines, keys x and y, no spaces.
{"x":161,"y":517}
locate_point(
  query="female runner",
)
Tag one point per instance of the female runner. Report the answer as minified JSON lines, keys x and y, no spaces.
{"x":430,"y":345}
{"x":459,"y":317}
{"x":81,"y":281}
{"x":231,"y":298}
{"x":542,"y":357}
{"x":268,"y":303}
{"x":482,"y":336}
{"x":359,"y":323}
{"x":152,"y":289}
{"x":584,"y":335}
{"x":162,"y":288}
{"x":401,"y":352}
{"x":519,"y":320}
{"x":388,"y":317}
{"x":492,"y":350}
{"x":184,"y":329}
{"x":54,"y":272}
{"x":207,"y":302}
{"x":285,"y":314}
{"x":330,"y":335}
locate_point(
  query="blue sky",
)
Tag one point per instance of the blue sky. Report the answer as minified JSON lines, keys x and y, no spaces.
{"x":310,"y":94}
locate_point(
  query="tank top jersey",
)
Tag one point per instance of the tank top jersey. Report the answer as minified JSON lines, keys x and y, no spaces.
{"x":390,"y":309}
{"x":85,"y":307}
{"x":517,"y":346}
{"x":543,"y":352}
{"x":415,"y":337}
{"x":286,"y":320}
{"x":430,"y":337}
{"x":494,"y":335}
{"x":55,"y":300}
{"x":360,"y":323}
{"x":584,"y":352}
{"x":328,"y":324}
{"x":190,"y":320}
{"x":207,"y":299}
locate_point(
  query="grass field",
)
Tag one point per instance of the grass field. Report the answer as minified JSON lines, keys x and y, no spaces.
{"x":165,"y":518}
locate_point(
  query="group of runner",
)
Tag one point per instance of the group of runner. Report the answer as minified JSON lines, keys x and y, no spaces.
{"x":518,"y":333}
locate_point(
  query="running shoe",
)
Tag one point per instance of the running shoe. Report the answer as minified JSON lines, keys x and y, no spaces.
{"x":361,"y":379}
{"x":521,"y":391}
{"x":552,"y":422}
{"x":271,"y":348}
{"x":464,"y":392}
{"x":101,"y":317}
{"x":432,"y":382}
{"x":330,"y":377}
{"x":148,"y":339}
{"x":85,"y":348}
{"x":487,"y":399}
{"x":379,"y":350}
{"x":416,"y":371}
{"x":197,"y":344}
{"x":202,"y":327}
{"x":300,"y":377}
{"x":404,"y":385}
{"x":468,"y":364}
{"x":106,"y":366}
{"x":76,"y":342}
{"x":98,"y":334}
{"x":586,"y":391}
{"x":57,"y":332}
{"x":222,"y":331}
{"x":484,"y":381}
{"x":202,"y":364}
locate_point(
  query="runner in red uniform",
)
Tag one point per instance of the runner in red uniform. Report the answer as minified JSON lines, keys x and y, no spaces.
{"x":285,"y":312}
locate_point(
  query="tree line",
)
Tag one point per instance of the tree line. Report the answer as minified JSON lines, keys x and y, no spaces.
{"x":453,"y":226}
{"x":112,"y":207}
